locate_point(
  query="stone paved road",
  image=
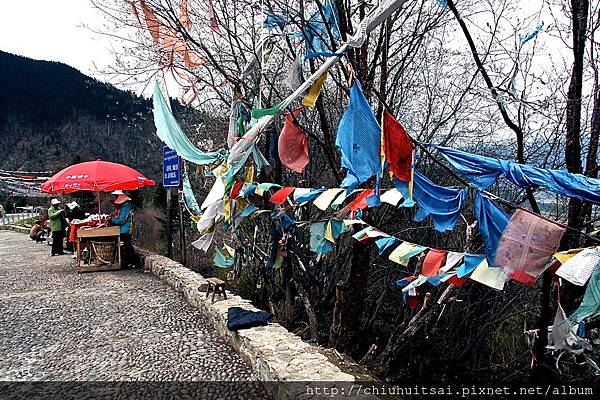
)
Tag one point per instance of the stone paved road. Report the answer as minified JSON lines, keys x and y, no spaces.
{"x":56,"y":324}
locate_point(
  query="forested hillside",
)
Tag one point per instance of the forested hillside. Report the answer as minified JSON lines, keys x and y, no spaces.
{"x":51,"y":114}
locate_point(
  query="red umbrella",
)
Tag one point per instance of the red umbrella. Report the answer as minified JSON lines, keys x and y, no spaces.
{"x":96,"y":176}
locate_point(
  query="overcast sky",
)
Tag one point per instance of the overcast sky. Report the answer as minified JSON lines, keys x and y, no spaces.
{"x":51,"y":30}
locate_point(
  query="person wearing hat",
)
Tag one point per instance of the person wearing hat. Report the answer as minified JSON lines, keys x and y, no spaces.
{"x":123,"y":217}
{"x":55,"y":220}
{"x":74,"y":212}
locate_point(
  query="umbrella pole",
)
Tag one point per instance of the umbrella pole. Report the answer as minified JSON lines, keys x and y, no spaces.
{"x":99,"y":210}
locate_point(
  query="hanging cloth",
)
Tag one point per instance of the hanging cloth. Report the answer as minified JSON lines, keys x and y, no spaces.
{"x":470,"y":262}
{"x":171,"y":134}
{"x":316,"y":32}
{"x":223,"y":261}
{"x":398,"y":148}
{"x":280,"y":196}
{"x":483,"y":171}
{"x":318,"y":242}
{"x":294,"y":77}
{"x":442,"y":204}
{"x":527,"y":245}
{"x":314,"y":91}
{"x":385,"y":243}
{"x":359,"y":140}
{"x":434,"y":260}
{"x":188,"y":195}
{"x":492,"y":221}
{"x":579,"y":268}
{"x":486,"y":275}
{"x":258,"y":113}
{"x":403,"y":253}
{"x":590,"y":305}
{"x":392,"y":197}
{"x":293,"y":144}
{"x":361,"y":200}
{"x":452,"y":260}
{"x":326,"y":198}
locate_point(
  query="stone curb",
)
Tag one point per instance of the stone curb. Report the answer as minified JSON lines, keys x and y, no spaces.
{"x":276,"y":354}
{"x":15,"y":228}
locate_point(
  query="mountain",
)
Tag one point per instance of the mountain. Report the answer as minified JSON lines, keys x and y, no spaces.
{"x":52,"y":115}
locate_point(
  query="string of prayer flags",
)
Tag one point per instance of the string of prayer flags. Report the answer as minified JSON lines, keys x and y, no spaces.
{"x":527,"y":245}
{"x":280,"y":196}
{"x":579,"y":268}
{"x":293,"y":144}
{"x":434,"y":260}
{"x":398,"y":148}
{"x":359,"y":140}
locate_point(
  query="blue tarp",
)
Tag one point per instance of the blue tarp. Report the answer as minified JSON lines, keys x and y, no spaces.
{"x":440,"y":203}
{"x":482,"y":172}
{"x":492,"y":220}
{"x":171,"y":134}
{"x":359,"y":140}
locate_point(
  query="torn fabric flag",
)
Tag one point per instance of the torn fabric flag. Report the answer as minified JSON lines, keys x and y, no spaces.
{"x":326,"y":198}
{"x":359,"y":140}
{"x":590,"y":305}
{"x":452,"y":260}
{"x":385,"y":243}
{"x":361,"y":200}
{"x":579,"y":268}
{"x":492,"y":220}
{"x":317,"y":28}
{"x":403,"y":253}
{"x":488,"y":276}
{"x":188,"y":195}
{"x":280,"y":196}
{"x":398,"y":148}
{"x":470,"y":262}
{"x":293,"y":144}
{"x":169,"y":131}
{"x":440,"y":203}
{"x":314,"y":91}
{"x":434,"y":260}
{"x":318,"y":241}
{"x":527,"y":245}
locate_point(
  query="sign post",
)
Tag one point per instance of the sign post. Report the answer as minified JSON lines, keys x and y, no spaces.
{"x":171,"y":178}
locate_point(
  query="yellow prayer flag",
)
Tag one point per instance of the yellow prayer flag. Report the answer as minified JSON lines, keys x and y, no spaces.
{"x":313,"y":93}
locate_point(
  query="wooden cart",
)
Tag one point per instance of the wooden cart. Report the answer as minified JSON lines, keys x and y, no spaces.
{"x":95,"y":239}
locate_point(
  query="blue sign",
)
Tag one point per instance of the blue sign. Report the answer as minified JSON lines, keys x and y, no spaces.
{"x":171,"y":173}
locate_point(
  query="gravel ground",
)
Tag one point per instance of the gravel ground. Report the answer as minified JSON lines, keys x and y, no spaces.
{"x":58,"y":325}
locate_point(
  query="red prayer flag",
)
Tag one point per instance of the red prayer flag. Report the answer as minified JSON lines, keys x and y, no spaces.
{"x":293,"y":145}
{"x":235,"y":190}
{"x":361,"y":200}
{"x":456,"y":281}
{"x":434,"y":260}
{"x":398,"y":148}
{"x":281,"y":195}
{"x":413,"y":302}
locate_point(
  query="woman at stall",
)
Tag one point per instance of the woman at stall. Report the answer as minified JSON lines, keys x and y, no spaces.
{"x":123,"y":217}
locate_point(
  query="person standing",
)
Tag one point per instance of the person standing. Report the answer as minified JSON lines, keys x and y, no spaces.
{"x":55,"y":218}
{"x":123,"y":217}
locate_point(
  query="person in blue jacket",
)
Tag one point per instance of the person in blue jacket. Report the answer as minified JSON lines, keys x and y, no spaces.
{"x":123,"y":217}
